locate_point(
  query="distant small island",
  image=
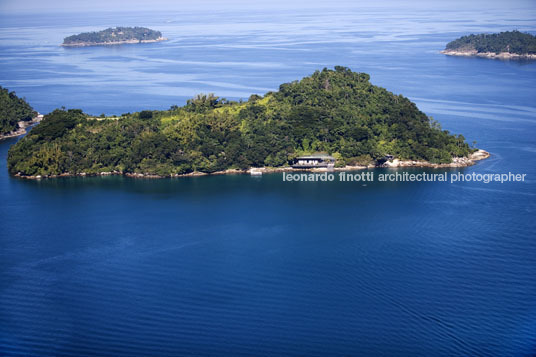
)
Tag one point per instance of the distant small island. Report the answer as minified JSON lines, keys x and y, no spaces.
{"x":114,"y":36}
{"x":503,"y":45}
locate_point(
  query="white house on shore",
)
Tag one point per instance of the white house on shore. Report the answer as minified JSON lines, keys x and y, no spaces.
{"x":314,"y":161}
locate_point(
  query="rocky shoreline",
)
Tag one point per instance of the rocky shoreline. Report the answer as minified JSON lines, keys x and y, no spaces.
{"x":493,"y":55}
{"x":23,"y":125}
{"x":457,"y":162}
{"x":85,"y":44}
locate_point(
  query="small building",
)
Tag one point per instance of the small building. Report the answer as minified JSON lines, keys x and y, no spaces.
{"x":314,"y":161}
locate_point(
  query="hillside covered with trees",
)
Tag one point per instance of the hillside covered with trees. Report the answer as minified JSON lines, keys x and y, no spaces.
{"x":334,"y":111}
{"x":12,"y":110}
{"x":114,"y":35}
{"x":510,"y":42}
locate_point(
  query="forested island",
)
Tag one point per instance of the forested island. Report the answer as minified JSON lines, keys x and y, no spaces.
{"x":15,"y":114}
{"x":503,"y":45}
{"x":333,"y":111}
{"x":114,"y":36}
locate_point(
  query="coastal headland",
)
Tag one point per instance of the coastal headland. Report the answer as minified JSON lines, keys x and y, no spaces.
{"x":22,"y":127}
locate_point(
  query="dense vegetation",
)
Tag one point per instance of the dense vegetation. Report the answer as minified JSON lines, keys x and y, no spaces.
{"x":333,"y":111}
{"x":113,"y":35}
{"x":510,"y":41}
{"x":12,"y":110}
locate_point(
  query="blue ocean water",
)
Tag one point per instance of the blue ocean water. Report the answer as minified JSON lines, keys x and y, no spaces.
{"x":237,"y":265}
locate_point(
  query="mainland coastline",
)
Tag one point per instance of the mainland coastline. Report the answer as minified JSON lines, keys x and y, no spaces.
{"x":22,"y":127}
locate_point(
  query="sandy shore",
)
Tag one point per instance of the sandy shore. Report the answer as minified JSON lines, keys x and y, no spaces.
{"x":457,"y":162}
{"x":84,"y":44}
{"x":23,"y":125}
{"x":502,"y":55}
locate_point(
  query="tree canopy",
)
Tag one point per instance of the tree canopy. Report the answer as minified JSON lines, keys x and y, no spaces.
{"x":334,"y":111}
{"x":509,"y":41}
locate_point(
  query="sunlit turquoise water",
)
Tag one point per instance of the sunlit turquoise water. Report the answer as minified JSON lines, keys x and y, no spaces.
{"x":236,"y":265}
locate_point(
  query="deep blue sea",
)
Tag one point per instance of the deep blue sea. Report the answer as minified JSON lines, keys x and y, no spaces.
{"x":254,"y":266}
